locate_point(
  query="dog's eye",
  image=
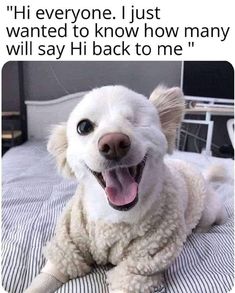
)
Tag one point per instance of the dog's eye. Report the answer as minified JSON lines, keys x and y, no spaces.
{"x":85,"y":127}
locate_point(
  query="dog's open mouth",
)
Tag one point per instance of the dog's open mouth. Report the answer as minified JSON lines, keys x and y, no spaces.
{"x":121,"y":185}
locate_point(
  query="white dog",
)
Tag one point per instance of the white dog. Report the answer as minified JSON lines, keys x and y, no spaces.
{"x":132,"y":208}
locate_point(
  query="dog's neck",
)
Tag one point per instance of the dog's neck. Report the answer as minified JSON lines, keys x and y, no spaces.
{"x":96,"y":205}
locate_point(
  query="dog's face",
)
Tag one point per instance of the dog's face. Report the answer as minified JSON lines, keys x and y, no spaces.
{"x":113,"y":134}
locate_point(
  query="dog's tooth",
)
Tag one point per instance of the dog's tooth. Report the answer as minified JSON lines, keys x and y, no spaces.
{"x":131,"y":170}
{"x":134,"y":171}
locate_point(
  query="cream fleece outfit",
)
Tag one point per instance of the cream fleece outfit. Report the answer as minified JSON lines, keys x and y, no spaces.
{"x":140,"y":251}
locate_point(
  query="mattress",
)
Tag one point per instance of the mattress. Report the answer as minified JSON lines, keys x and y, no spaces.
{"x":34,"y":196}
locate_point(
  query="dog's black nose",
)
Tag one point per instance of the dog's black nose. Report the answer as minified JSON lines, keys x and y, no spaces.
{"x":114,"y":146}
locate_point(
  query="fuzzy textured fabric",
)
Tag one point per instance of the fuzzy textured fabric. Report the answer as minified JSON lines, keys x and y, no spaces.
{"x":139,"y":251}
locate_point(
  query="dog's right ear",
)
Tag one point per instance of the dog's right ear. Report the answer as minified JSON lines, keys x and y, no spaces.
{"x":169,"y":103}
{"x":57,"y":146}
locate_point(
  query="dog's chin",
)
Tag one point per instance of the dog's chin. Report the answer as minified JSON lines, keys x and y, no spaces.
{"x":121,"y":184}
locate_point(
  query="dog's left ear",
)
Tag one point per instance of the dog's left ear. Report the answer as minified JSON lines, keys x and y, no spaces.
{"x":170,"y":105}
{"x":57,"y":146}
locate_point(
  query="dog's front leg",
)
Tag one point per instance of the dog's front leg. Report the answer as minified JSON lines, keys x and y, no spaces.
{"x":66,"y":259}
{"x":122,"y":279}
{"x":143,"y":273}
{"x":48,"y":281}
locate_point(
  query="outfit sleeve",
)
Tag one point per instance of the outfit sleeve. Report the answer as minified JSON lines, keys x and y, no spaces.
{"x":141,"y":271}
{"x":63,"y":251}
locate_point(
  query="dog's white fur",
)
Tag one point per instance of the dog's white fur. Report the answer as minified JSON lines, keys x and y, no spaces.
{"x":169,"y":190}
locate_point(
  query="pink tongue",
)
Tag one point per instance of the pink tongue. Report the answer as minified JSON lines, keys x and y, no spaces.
{"x":121,"y":187}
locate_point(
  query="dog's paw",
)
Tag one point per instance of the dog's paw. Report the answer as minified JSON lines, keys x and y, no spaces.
{"x":43,"y":283}
{"x":202,"y":229}
{"x":113,"y":283}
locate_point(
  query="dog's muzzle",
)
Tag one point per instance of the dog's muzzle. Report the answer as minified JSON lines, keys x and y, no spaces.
{"x":121,"y":184}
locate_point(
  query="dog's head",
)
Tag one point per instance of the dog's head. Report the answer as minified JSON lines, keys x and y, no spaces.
{"x":113,"y":134}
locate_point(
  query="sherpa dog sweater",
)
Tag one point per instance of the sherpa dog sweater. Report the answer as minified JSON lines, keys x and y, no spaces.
{"x":142,"y":250}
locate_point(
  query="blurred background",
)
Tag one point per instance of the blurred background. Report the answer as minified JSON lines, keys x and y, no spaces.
{"x":43,"y":81}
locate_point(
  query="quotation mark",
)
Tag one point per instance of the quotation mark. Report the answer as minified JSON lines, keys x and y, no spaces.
{"x":9,"y":7}
{"x":191,"y":44}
